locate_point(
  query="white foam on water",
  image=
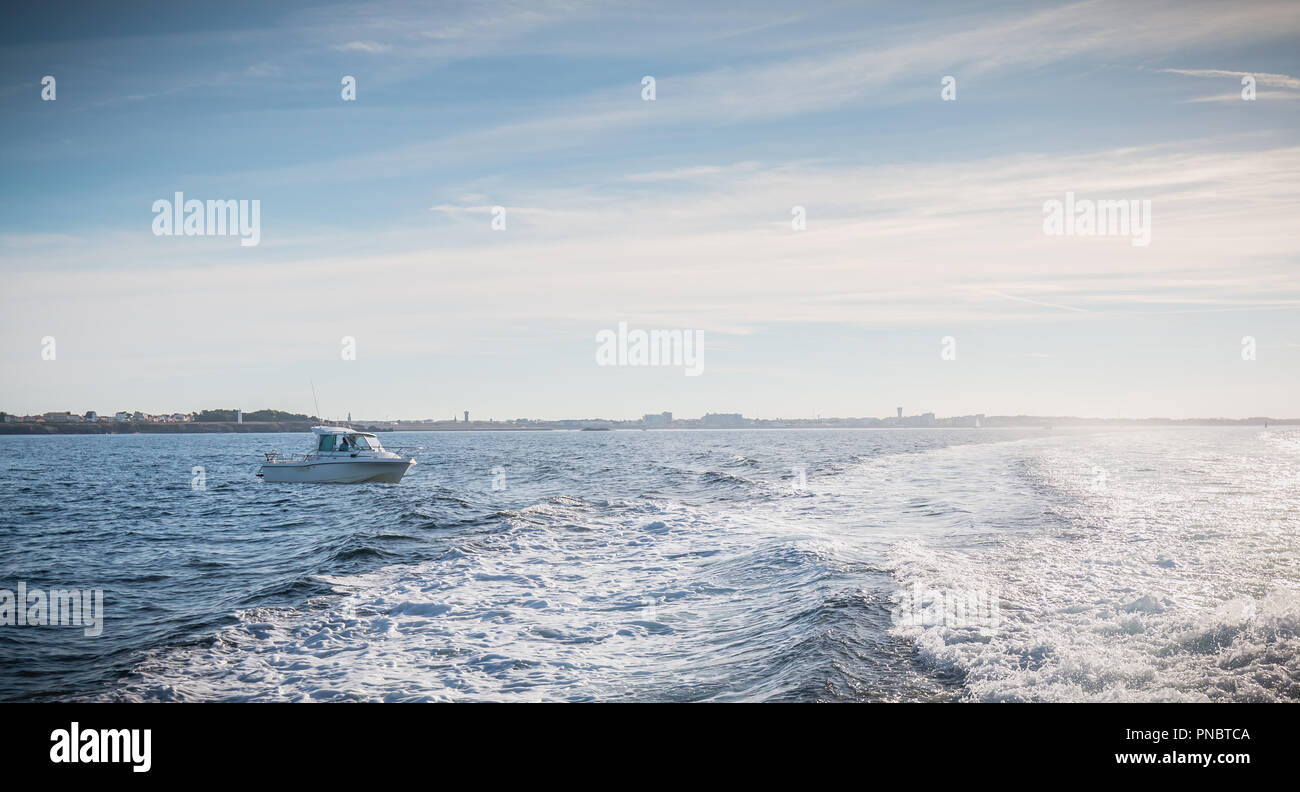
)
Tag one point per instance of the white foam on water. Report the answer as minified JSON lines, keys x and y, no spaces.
{"x":1172,"y":577}
{"x":566,"y":602}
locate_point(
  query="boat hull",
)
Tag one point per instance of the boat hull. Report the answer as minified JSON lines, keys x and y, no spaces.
{"x":342,"y":472}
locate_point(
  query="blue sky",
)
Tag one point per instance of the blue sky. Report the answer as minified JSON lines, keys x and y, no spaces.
{"x":924,"y":216}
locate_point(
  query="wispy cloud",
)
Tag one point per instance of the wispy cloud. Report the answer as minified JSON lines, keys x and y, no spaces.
{"x":1288,"y":87}
{"x":692,"y":173}
{"x":901,"y":244}
{"x":363,"y":46}
{"x":864,"y":75}
{"x":1261,"y":78}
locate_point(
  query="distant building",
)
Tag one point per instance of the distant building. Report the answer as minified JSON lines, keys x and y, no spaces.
{"x":239,"y":416}
{"x":61,"y":417}
{"x":900,"y":413}
{"x":467,"y":416}
{"x":657,"y":420}
{"x":723,"y":420}
{"x":969,"y":421}
{"x":91,"y":417}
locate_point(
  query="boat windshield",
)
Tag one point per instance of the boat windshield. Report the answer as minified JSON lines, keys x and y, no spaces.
{"x":326,"y":443}
{"x":362,"y":443}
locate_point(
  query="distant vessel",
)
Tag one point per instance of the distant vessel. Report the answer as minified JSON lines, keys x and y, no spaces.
{"x":341,"y":456}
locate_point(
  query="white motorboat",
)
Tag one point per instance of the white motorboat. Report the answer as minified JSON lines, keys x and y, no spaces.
{"x":341,"y":456}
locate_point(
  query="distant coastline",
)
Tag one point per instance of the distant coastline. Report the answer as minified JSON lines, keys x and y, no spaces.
{"x":227,"y":427}
{"x":521,"y":425}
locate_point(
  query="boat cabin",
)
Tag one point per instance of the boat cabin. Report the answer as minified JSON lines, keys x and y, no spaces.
{"x":336,"y":439}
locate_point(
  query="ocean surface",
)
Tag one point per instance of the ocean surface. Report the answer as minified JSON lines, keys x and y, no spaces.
{"x":750,"y":565}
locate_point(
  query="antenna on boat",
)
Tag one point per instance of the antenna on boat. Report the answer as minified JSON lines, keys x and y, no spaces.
{"x":313,"y":398}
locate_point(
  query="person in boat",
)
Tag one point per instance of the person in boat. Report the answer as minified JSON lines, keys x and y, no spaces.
{"x":343,"y":444}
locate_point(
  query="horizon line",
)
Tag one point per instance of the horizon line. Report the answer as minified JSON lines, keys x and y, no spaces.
{"x":734,"y":416}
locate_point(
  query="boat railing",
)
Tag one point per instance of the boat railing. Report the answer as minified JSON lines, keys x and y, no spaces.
{"x":405,"y":451}
{"x":273,"y":457}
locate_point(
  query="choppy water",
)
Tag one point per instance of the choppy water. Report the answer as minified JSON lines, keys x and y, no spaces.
{"x":1125,"y":565}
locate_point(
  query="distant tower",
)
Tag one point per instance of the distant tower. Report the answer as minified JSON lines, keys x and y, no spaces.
{"x":239,"y":416}
{"x":467,"y":416}
{"x":349,"y":416}
{"x":900,"y":412}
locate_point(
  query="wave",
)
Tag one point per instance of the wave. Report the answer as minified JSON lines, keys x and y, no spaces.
{"x":1143,"y":584}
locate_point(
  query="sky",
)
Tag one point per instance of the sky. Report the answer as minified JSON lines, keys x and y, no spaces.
{"x":922,"y":275}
